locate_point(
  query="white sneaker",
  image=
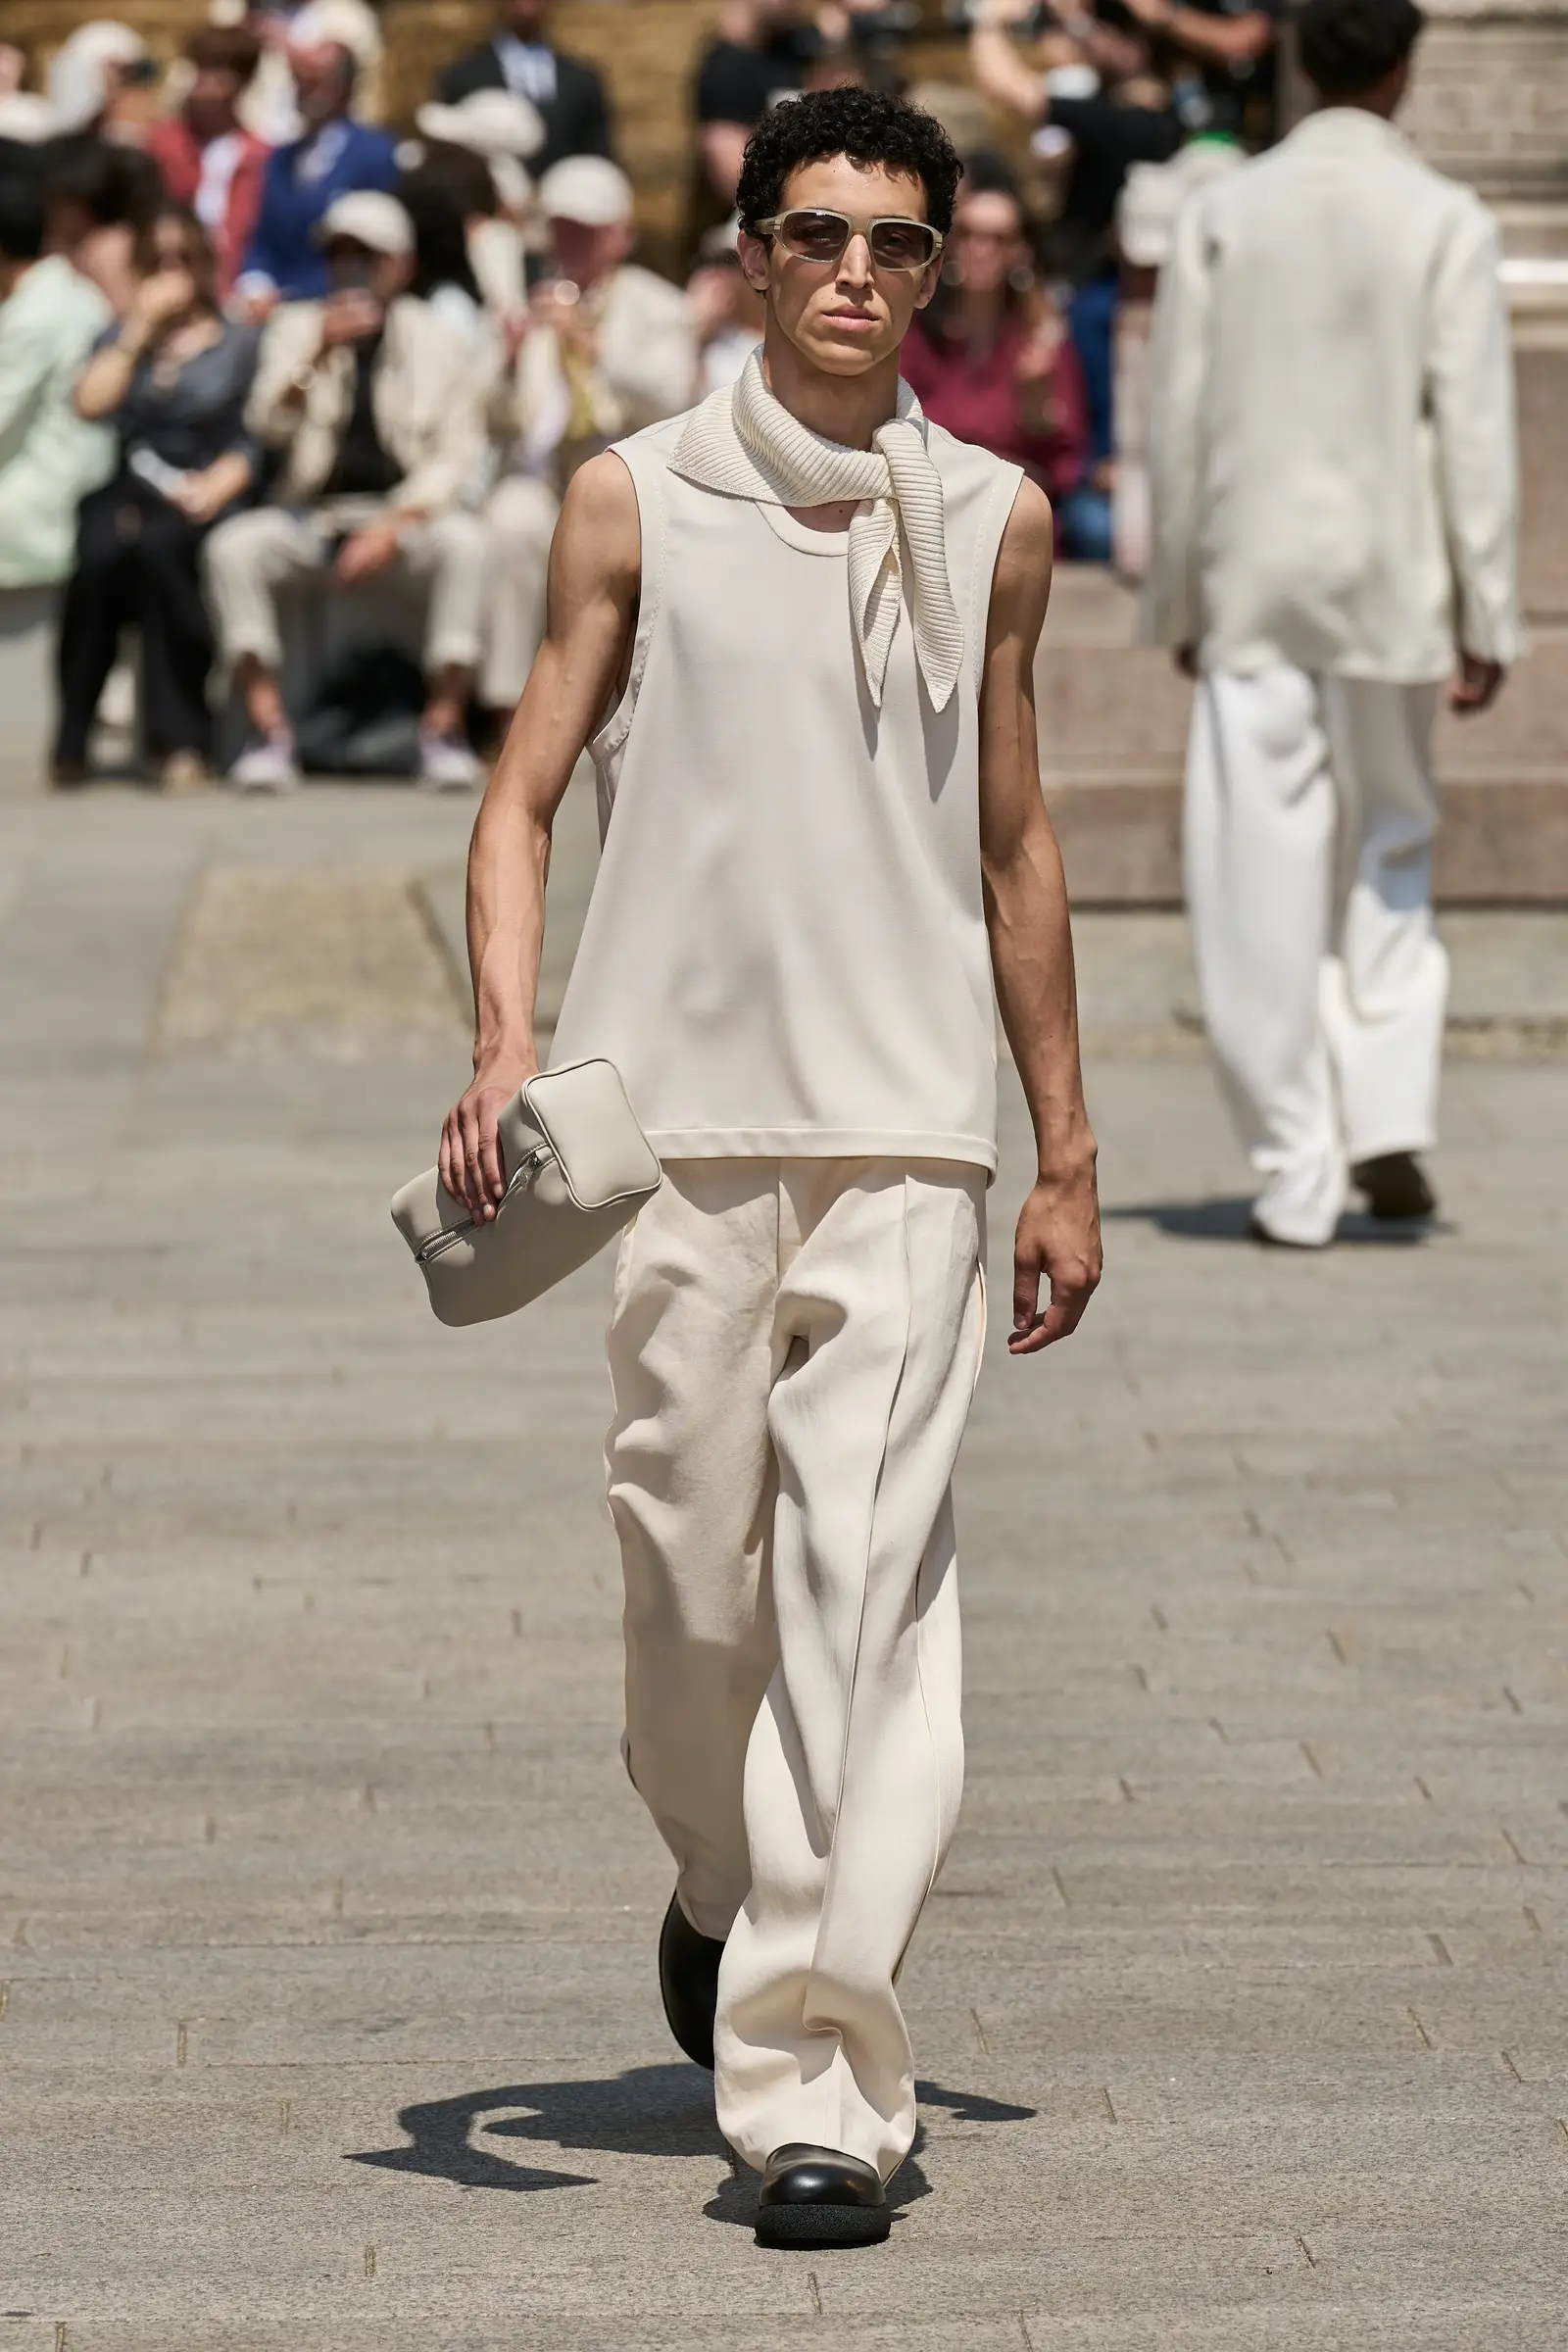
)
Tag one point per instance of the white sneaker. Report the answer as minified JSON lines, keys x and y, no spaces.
{"x":447,"y":762}
{"x":268,"y":764}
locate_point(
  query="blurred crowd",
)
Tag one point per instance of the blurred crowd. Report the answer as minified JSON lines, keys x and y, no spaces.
{"x":254,"y":342}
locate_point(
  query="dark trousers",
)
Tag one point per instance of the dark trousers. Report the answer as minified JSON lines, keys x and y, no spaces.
{"x":137,"y":560}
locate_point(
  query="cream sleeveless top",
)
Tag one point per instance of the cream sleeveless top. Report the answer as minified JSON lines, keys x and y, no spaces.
{"x":785,"y":951}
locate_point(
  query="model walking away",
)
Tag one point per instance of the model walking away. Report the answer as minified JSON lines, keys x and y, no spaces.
{"x":1335,"y":525}
{"x":796,"y":628}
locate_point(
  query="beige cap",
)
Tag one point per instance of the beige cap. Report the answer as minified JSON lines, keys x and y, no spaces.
{"x":370,"y":218}
{"x":586,"y":188}
{"x":490,"y":123}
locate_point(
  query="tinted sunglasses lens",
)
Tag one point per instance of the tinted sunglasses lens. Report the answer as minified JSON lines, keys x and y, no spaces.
{"x":815,"y":236}
{"x":902,"y":244}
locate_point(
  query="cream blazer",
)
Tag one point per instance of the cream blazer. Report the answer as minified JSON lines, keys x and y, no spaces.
{"x":1331,"y":453}
{"x":645,"y":366}
{"x":428,"y":394}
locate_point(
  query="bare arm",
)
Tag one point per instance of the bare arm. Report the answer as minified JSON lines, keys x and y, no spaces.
{"x":1031,"y":946}
{"x":595,"y":570}
{"x":1001,"y":74}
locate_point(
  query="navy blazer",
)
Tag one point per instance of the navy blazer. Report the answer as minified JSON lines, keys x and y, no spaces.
{"x":284,"y":245}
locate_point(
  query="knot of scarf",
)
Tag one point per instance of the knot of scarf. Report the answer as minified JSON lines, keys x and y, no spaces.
{"x":746,"y":442}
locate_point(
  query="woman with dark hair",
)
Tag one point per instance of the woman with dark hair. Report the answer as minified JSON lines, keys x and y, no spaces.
{"x":174,"y":377}
{"x":97,"y":197}
{"x":991,"y":359}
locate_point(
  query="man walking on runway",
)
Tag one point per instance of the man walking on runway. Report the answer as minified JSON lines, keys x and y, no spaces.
{"x":1334,"y":522}
{"x":797,"y":627}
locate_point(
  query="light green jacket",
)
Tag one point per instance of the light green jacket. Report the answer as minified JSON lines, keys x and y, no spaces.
{"x":49,"y":456}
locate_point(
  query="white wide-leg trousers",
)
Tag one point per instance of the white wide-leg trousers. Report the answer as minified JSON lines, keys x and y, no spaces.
{"x":793,"y":1349}
{"x":1310,"y":816}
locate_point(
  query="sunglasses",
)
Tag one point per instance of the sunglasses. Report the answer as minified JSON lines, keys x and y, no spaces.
{"x":894,"y":241}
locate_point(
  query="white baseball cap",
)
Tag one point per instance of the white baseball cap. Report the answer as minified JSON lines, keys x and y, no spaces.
{"x":489,"y":123}
{"x":588,"y":189}
{"x":370,"y":218}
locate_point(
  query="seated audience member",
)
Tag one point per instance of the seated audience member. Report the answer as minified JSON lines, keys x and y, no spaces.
{"x":440,"y":207}
{"x":172,"y":379}
{"x":269,"y":108}
{"x":1113,"y":110}
{"x":726,"y":311}
{"x":209,"y":161}
{"x":49,"y":456}
{"x":605,"y":349}
{"x":377,"y":411}
{"x":520,"y":57}
{"x":990,"y":358}
{"x":762,"y":51}
{"x":97,"y":197}
{"x":335,"y":156}
{"x":477,"y":149}
{"x":102,"y":79}
{"x":1226,"y":56}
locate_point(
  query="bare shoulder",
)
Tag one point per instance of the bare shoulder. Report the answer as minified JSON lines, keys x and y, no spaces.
{"x":1021,"y":589}
{"x":599,"y":537}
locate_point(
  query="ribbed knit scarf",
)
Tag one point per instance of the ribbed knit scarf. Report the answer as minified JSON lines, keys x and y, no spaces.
{"x":743,"y":442}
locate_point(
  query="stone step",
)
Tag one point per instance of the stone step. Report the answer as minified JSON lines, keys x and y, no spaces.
{"x":1113,"y":729}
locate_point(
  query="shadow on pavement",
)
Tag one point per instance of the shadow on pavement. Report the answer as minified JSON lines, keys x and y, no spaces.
{"x":1227,"y":1219}
{"x":648,"y":2111}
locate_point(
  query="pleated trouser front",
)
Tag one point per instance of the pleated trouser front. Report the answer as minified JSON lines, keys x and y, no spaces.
{"x":792,"y":1351}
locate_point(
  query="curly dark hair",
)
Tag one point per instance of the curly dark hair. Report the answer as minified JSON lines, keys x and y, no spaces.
{"x":1348,"y":46}
{"x":867,"y":126}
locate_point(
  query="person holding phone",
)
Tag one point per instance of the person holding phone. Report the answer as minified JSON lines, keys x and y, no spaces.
{"x":376,"y":408}
{"x":173,"y":378}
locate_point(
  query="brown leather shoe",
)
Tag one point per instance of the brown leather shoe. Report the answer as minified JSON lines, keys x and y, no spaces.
{"x":820,"y":2197}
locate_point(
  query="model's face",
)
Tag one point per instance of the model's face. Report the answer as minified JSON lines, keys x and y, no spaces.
{"x":987,"y":243}
{"x":843,"y":317}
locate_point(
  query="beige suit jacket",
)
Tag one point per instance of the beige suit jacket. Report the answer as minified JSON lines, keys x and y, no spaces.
{"x":427,"y":394}
{"x":1333,"y":448}
{"x":645,"y":363}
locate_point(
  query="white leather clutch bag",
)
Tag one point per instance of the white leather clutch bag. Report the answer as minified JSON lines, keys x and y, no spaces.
{"x":578,"y":1167}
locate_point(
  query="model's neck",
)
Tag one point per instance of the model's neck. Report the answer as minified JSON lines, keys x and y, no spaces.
{"x":846,"y":409}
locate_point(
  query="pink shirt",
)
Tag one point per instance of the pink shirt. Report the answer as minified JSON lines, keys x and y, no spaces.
{"x":974,"y":398}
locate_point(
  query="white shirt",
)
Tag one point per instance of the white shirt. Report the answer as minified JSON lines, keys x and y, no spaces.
{"x":1332,"y":452}
{"x":785,"y":952}
{"x":529,"y":66}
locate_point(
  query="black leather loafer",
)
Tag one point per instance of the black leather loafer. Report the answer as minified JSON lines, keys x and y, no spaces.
{"x":688,"y":1980}
{"x":1394,"y":1187}
{"x":820,"y":2197}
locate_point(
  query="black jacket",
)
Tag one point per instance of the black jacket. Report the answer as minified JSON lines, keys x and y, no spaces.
{"x":576,"y":119}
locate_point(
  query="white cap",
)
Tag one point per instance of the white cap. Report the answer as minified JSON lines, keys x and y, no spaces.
{"x":489,"y":123}
{"x":339,"y":24}
{"x":78,"y":84}
{"x":26,"y":117}
{"x":586,"y":188}
{"x":370,"y":218}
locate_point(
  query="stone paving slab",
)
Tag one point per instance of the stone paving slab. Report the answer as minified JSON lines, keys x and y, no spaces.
{"x":326,"y":2008}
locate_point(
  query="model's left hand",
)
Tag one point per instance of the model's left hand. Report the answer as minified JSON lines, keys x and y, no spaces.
{"x":368,"y":552}
{"x":1057,"y":1239}
{"x":1476,"y":685}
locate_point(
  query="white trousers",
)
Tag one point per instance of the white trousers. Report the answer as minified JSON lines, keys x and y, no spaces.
{"x":1310,"y":816}
{"x":253,"y":555}
{"x":519,"y":523}
{"x":793,"y":1349}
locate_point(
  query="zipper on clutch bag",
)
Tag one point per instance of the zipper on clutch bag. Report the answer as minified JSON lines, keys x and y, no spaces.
{"x":522,"y":1175}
